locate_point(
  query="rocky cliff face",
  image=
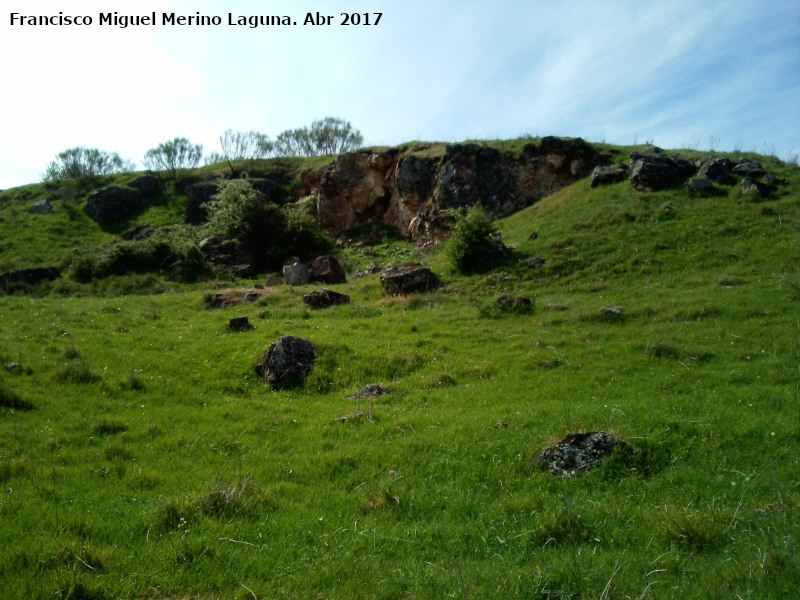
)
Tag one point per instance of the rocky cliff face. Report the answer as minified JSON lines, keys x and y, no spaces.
{"x":410,"y":190}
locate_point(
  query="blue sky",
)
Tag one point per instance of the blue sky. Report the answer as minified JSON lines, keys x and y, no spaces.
{"x":681,"y":74}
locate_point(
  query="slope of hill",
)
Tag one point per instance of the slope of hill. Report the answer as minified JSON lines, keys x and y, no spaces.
{"x":141,"y":456}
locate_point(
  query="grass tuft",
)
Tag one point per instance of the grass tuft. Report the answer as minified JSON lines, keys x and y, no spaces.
{"x":240,"y":499}
{"x":10,"y":400}
{"x":78,"y":372}
{"x":108,"y":427}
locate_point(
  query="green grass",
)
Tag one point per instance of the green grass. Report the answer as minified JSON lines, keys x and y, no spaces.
{"x":150,"y":461}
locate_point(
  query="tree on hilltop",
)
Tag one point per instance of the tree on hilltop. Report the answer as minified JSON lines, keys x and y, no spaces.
{"x":79,"y":162}
{"x":174,"y":157}
{"x":241,"y":146}
{"x":325,"y":136}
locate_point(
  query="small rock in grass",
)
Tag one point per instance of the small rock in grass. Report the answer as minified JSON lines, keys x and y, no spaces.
{"x":287,"y":362}
{"x":373,"y":390}
{"x":577,"y":453}
{"x":239,"y":324}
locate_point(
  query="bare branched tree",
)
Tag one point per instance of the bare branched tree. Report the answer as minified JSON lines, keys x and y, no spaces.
{"x":238,"y":147}
{"x":80,"y":162}
{"x":325,"y":136}
{"x":174,"y":157}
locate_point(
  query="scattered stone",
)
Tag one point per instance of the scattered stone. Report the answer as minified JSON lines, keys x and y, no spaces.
{"x":115,"y":202}
{"x":373,"y":390}
{"x":234,"y":298}
{"x":499,"y":248}
{"x":501,"y":425}
{"x":273,"y":281}
{"x":533,"y":236}
{"x":13,"y":368}
{"x":325,"y":298}
{"x":287,"y":362}
{"x":42,"y":207}
{"x":611,"y":313}
{"x":239,"y":324}
{"x":755,"y":189}
{"x":772,"y":180}
{"x":373,"y":268}
{"x":555,"y":307}
{"x":358,"y":275}
{"x":717,"y":168}
{"x":408,"y":278}
{"x":748,"y":167}
{"x":607,"y":175}
{"x":514,"y":302}
{"x":701,"y":186}
{"x":296,"y":274}
{"x":227,"y":253}
{"x":326,"y":269}
{"x":13,"y":280}
{"x":357,"y":416}
{"x":651,"y":172}
{"x":534,"y":262}
{"x":577,"y":453}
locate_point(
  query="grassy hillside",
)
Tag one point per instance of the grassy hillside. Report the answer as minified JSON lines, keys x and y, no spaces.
{"x":142,"y":457}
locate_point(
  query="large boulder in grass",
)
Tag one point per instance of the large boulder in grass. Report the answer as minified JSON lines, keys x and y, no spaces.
{"x":115,"y":202}
{"x":325,"y":298}
{"x":326,"y":269}
{"x":577,"y":452}
{"x":287,"y":362}
{"x":755,"y":189}
{"x":407,"y":279}
{"x":229,"y":254}
{"x":296,"y":273}
{"x":748,"y":167}
{"x":607,"y":175}
{"x":656,"y":171}
{"x":717,"y":168}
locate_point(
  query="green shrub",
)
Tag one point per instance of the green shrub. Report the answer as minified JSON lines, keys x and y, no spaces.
{"x":268,"y":231}
{"x":473,"y":245}
{"x":172,"y":251}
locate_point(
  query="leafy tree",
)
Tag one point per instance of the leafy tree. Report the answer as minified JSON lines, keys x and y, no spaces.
{"x":326,"y":136}
{"x":78,"y":162}
{"x":268,"y":231}
{"x":174,"y":157}
{"x":473,"y":244}
{"x":241,"y":146}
